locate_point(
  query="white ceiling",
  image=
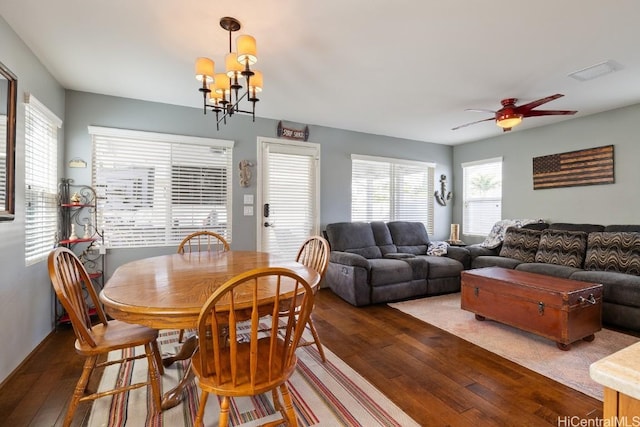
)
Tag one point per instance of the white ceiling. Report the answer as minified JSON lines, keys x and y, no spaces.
{"x":401,"y":68}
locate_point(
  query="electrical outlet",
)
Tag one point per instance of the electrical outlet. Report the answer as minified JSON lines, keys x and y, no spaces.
{"x":102,"y":250}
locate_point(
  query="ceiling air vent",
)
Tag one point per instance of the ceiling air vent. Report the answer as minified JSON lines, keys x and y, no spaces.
{"x":595,"y":71}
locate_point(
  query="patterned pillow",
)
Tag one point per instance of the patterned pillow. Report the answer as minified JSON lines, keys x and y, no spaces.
{"x":562,"y":247}
{"x":520,"y":244}
{"x":437,"y":248}
{"x":496,"y":235}
{"x":613,"y":251}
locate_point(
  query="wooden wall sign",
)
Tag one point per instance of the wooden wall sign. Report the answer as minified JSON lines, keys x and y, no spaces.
{"x":593,"y":166}
{"x":285,"y":132}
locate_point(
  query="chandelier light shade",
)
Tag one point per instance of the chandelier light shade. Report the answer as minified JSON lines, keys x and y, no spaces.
{"x":233,"y":67}
{"x":204,"y":69}
{"x":223,"y":92}
{"x":247,"y":50}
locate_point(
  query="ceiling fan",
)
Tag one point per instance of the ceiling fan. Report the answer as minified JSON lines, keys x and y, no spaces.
{"x":511,"y":115}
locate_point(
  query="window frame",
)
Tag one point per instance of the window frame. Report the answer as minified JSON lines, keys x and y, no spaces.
{"x":41,"y":180}
{"x":394,"y":208}
{"x":467,"y":230}
{"x":153,"y":192}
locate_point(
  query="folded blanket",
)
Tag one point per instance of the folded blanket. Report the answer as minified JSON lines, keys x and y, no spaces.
{"x":496,"y":235}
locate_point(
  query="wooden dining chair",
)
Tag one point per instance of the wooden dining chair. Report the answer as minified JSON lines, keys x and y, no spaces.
{"x":202,"y":241}
{"x":314,"y":253}
{"x":251,"y":362}
{"x":73,"y":287}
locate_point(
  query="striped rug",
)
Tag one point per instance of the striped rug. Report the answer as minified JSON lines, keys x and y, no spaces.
{"x":323,"y":394}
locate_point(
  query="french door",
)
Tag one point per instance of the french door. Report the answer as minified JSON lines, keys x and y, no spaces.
{"x":288,"y":196}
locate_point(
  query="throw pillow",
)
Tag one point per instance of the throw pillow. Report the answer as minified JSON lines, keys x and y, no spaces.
{"x":562,"y":248}
{"x":520,"y":244}
{"x":496,"y":235}
{"x":613,"y":251}
{"x":437,"y":248}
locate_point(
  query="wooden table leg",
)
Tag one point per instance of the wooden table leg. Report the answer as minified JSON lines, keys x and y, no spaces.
{"x":186,"y":351}
{"x":174,"y":396}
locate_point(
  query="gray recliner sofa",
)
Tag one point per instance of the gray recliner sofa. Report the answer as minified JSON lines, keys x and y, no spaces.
{"x":380,"y":262}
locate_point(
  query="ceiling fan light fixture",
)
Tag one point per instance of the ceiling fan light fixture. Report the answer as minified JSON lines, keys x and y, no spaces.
{"x":508,"y":120}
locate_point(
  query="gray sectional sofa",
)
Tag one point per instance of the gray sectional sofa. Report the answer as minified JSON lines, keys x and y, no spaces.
{"x":609,"y":255}
{"x":380,"y":262}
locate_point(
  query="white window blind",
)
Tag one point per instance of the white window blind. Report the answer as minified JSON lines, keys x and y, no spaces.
{"x":385,"y":189}
{"x":292,"y":195}
{"x":155,"y":189}
{"x":482,"y":196}
{"x":41,"y":176}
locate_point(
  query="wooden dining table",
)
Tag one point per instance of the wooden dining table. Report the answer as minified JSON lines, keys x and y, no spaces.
{"x":168,"y":291}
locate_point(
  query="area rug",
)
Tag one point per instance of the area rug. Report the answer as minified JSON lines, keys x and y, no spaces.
{"x":539,"y":354}
{"x":323,"y":394}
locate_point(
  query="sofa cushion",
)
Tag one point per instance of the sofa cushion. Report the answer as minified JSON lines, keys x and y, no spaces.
{"x":386,"y":271}
{"x":548,"y":269}
{"x":614,"y":251}
{"x":409,"y":237}
{"x":626,"y":227}
{"x":520,"y":244}
{"x":494,"y":261}
{"x":440,"y":266}
{"x":567,"y":226}
{"x":370,"y":252}
{"x":560,"y":247}
{"x":382,"y":237}
{"x":353,"y":237}
{"x":617,"y":288}
{"x":419,"y":266}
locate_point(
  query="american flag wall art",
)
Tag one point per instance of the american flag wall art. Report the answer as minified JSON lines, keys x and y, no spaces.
{"x":593,"y":166}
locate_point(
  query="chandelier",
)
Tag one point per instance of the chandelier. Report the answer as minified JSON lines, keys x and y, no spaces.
{"x":222,"y":93}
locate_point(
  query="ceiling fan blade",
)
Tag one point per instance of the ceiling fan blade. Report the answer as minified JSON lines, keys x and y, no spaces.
{"x":533,"y":104}
{"x":472,"y":123}
{"x":480,"y":110}
{"x":534,"y":113}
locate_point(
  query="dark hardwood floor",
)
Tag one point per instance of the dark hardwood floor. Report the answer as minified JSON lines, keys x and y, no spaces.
{"x":437,"y":378}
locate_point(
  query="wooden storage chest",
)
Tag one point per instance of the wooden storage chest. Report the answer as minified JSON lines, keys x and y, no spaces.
{"x":562,"y":310}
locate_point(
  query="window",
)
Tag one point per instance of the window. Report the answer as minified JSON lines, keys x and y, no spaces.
{"x":41,"y":176}
{"x":154,"y":189}
{"x":384,"y":189}
{"x":482,"y":196}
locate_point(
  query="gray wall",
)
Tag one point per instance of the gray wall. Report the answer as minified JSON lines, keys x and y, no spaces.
{"x":598,"y":204}
{"x":26,"y":298}
{"x":85,"y":109}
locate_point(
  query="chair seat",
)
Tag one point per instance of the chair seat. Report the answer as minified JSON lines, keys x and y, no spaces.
{"x":225,"y":387}
{"x":116,"y":335}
